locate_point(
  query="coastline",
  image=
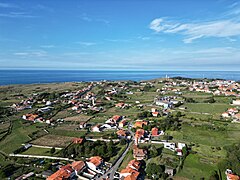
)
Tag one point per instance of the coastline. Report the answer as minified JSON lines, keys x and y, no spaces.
{"x":13,"y":77}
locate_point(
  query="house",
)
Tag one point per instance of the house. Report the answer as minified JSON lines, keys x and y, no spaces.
{"x":237,"y":116}
{"x":63,"y":173}
{"x":116,"y":118}
{"x":78,"y":167}
{"x":122,"y":123}
{"x":48,"y":103}
{"x":134,"y":164}
{"x":139,"y":154}
{"x":120,"y":105}
{"x":122,"y":133}
{"x":232,"y":110}
{"x":68,"y":171}
{"x":169,"y":171}
{"x":140,"y":133}
{"x":140,"y":124}
{"x":82,"y":125}
{"x":170,"y":146}
{"x":97,"y":128}
{"x":231,"y":176}
{"x":225,"y":115}
{"x":155,"y":131}
{"x":77,"y":140}
{"x":153,"y":110}
{"x":179,"y":148}
{"x":155,"y":114}
{"x":30,"y":117}
{"x":131,"y":172}
{"x":45,"y":109}
{"x":95,"y":163}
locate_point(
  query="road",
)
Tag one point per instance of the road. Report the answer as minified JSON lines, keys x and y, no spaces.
{"x":116,"y":165}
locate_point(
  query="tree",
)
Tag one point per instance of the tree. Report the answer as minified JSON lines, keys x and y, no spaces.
{"x":179,"y":114}
{"x":53,"y":150}
{"x":123,"y":141}
{"x":155,"y":171}
{"x":214,"y":176}
{"x":153,"y":151}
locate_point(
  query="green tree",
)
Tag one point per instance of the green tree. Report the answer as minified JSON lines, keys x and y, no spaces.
{"x":53,"y":150}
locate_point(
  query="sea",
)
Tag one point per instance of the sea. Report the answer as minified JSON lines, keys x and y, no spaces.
{"x":9,"y":77}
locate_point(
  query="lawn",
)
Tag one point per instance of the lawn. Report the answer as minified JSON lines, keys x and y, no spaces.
{"x":40,"y":151}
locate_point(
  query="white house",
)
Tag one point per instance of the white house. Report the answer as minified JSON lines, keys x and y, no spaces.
{"x":236,"y":102}
{"x":96,"y":128}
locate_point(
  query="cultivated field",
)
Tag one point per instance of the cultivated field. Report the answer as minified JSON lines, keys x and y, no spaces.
{"x":52,"y":141}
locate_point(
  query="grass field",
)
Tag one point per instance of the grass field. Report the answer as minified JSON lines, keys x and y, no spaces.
{"x":67,"y":133}
{"x":208,"y":144}
{"x":40,"y":151}
{"x":18,"y":136}
{"x":195,"y":168}
{"x":78,"y":118}
{"x":214,"y":108}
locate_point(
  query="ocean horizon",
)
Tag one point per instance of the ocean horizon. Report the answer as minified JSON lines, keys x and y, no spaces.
{"x":10,"y":77}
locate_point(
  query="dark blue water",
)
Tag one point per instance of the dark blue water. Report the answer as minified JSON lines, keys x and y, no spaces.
{"x":48,"y":76}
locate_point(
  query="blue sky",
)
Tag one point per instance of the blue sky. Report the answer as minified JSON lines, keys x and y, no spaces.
{"x":120,"y":34}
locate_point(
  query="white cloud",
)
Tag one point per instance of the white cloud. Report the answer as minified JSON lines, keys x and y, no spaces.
{"x":47,"y":46}
{"x":83,"y":43}
{"x":32,"y":53}
{"x":17,"y":15}
{"x":193,"y":31}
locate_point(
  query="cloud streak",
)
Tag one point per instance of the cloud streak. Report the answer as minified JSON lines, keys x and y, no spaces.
{"x":84,"y":43}
{"x":17,"y":15}
{"x":193,"y":31}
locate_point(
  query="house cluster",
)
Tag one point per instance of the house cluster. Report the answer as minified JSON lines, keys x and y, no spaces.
{"x":232,"y":113}
{"x":167,"y":102}
{"x":24,"y":104}
{"x":79,"y":169}
{"x":217,"y":87}
{"x":175,"y":147}
{"x":89,"y":101}
{"x":132,"y":171}
{"x":141,"y":136}
{"x":123,"y":134}
{"x":114,"y":122}
{"x":122,"y":105}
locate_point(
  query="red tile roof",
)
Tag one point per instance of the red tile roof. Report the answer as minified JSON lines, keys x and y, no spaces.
{"x":63,"y":173}
{"x":77,"y":140}
{"x":155,"y":131}
{"x":96,"y":160}
{"x":139,"y":133}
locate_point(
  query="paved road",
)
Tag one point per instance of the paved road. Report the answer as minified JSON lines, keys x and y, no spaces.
{"x":114,"y":168}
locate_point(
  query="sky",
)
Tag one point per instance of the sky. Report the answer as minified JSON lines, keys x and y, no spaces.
{"x":120,"y":34}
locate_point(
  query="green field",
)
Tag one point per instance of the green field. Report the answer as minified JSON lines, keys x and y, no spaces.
{"x":196,"y":168}
{"x":214,"y":108}
{"x":41,"y":151}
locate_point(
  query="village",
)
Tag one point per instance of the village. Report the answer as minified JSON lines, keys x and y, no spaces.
{"x":156,"y":129}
